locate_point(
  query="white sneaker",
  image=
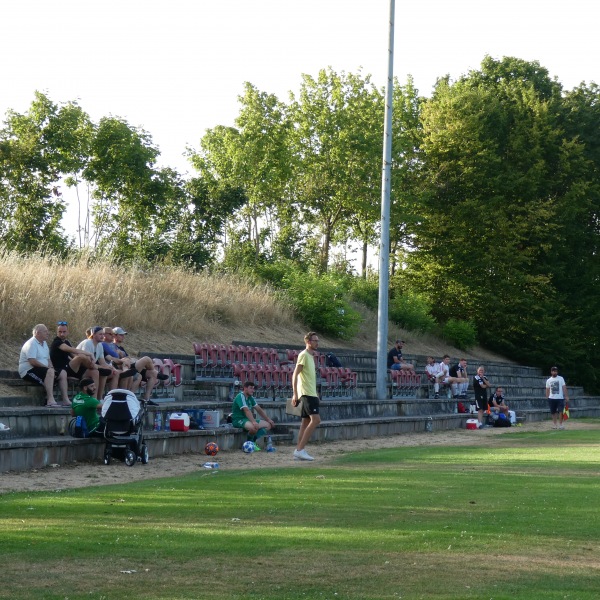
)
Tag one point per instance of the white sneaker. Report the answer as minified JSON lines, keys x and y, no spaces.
{"x":302,"y":455}
{"x":561,"y":426}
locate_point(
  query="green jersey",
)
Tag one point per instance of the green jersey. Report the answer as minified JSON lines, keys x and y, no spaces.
{"x":86,"y":406}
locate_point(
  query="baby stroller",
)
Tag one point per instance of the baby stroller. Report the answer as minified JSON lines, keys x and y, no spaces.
{"x":124,"y":421}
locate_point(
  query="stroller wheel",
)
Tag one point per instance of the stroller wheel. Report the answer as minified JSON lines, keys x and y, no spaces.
{"x":130,"y":458}
{"x":107,"y":457}
{"x":71,"y":427}
{"x":144,"y":454}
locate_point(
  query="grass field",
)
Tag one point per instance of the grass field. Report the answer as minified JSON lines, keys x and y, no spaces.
{"x":517,"y":519}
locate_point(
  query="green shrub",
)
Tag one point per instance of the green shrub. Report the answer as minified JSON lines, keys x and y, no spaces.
{"x":365,"y":291}
{"x":320,"y":303}
{"x":462,"y":334}
{"x":411,"y":311}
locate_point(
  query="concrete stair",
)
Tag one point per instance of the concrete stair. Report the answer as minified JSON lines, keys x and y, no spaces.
{"x":38,"y":436}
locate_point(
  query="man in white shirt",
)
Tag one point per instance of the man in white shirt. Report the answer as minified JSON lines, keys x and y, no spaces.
{"x":433,"y":370}
{"x":35,"y":364}
{"x":557,"y":394}
{"x":107,"y":372}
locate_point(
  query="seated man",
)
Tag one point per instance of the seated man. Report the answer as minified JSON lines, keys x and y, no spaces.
{"x":449,"y":379}
{"x":107,"y":373}
{"x":77,"y":363}
{"x":497,"y":403}
{"x":35,"y":365}
{"x":459,"y":373}
{"x":118,"y":359}
{"x":242,"y":416}
{"x":433,"y":371}
{"x":394,"y":358}
{"x":144,"y":366}
{"x":87,"y":406}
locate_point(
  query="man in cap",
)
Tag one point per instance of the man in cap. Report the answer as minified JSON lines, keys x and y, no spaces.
{"x":394,"y":358}
{"x":143,"y":366}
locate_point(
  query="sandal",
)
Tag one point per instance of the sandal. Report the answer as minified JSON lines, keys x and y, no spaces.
{"x":55,"y":405}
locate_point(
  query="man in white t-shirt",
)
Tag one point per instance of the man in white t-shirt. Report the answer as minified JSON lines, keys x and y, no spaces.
{"x":107,"y":372}
{"x":35,"y":364}
{"x":557,"y":394}
{"x":434,"y":370}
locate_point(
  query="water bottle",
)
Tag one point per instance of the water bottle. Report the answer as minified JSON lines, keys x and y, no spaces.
{"x":429,"y":424}
{"x":211,"y":465}
{"x":167,"y":422}
{"x":157,"y":422}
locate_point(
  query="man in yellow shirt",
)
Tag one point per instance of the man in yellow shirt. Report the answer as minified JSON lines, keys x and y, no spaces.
{"x":304,"y":385}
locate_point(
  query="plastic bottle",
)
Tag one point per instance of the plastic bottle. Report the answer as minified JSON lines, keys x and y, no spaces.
{"x":429,"y":424}
{"x":157,"y":421}
{"x":211,"y":465}
{"x":167,"y":422}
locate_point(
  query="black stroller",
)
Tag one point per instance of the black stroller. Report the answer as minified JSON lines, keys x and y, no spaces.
{"x":123,"y":416}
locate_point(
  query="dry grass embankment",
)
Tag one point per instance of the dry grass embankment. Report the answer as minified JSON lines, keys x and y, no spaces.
{"x":164,"y":309}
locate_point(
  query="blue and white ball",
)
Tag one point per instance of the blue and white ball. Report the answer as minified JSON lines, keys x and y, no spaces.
{"x":248,"y":447}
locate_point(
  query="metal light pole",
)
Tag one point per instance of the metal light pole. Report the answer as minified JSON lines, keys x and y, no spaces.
{"x":384,"y":244}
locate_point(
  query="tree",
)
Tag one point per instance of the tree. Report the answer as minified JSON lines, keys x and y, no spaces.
{"x":337,"y":143}
{"x":36,"y":149}
{"x":253,"y":157}
{"x":494,"y":184}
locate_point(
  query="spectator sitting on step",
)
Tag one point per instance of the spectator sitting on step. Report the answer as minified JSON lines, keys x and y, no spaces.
{"x":434,"y":371}
{"x":394,"y":358}
{"x":243,"y":416}
{"x":497,"y":402}
{"x":459,"y":372}
{"x":35,"y":364}
{"x":107,"y":373}
{"x":86,"y":405}
{"x":144,"y":366}
{"x":449,"y":379}
{"x":119,"y":359}
{"x":77,"y":363}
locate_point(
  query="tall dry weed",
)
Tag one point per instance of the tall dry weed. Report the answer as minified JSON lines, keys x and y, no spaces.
{"x":87,"y":292}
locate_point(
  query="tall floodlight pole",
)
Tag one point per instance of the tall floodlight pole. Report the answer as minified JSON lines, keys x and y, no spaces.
{"x":384,"y":244}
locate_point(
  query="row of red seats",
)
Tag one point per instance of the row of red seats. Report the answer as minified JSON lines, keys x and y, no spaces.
{"x":217,"y":360}
{"x":269,"y":380}
{"x":405,"y":383}
{"x":168,"y":367}
{"x":337,"y":381}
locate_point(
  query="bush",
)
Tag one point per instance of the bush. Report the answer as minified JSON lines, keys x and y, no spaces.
{"x":320,"y":303}
{"x":411,"y":311}
{"x":365,"y":291}
{"x":462,"y":334}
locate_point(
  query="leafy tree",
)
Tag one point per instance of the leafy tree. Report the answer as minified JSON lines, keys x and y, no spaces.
{"x":36,"y":148}
{"x":337,"y":142}
{"x":499,"y":175}
{"x":253,"y":157}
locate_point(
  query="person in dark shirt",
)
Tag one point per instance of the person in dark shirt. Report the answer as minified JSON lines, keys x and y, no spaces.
{"x":394,"y":358}
{"x":77,"y":363}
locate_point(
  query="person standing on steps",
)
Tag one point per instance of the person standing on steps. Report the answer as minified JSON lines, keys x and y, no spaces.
{"x":557,"y":394}
{"x":304,"y":386}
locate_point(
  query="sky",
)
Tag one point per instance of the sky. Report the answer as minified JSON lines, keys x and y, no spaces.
{"x":176,"y":68}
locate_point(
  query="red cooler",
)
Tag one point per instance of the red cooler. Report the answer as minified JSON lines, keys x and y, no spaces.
{"x":180,"y":422}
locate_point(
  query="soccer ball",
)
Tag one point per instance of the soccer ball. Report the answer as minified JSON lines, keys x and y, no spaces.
{"x":248,"y":447}
{"x":211,"y":449}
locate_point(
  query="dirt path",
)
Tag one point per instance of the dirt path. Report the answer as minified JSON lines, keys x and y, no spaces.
{"x":90,"y":474}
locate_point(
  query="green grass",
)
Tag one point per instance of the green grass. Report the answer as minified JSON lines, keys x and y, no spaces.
{"x":516,"y":519}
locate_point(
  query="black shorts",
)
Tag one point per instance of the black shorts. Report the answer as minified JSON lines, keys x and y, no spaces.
{"x":481,"y":402}
{"x":78,"y":375}
{"x":104,"y":372}
{"x":310,"y":406}
{"x":557,"y":405}
{"x":36,"y":374}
